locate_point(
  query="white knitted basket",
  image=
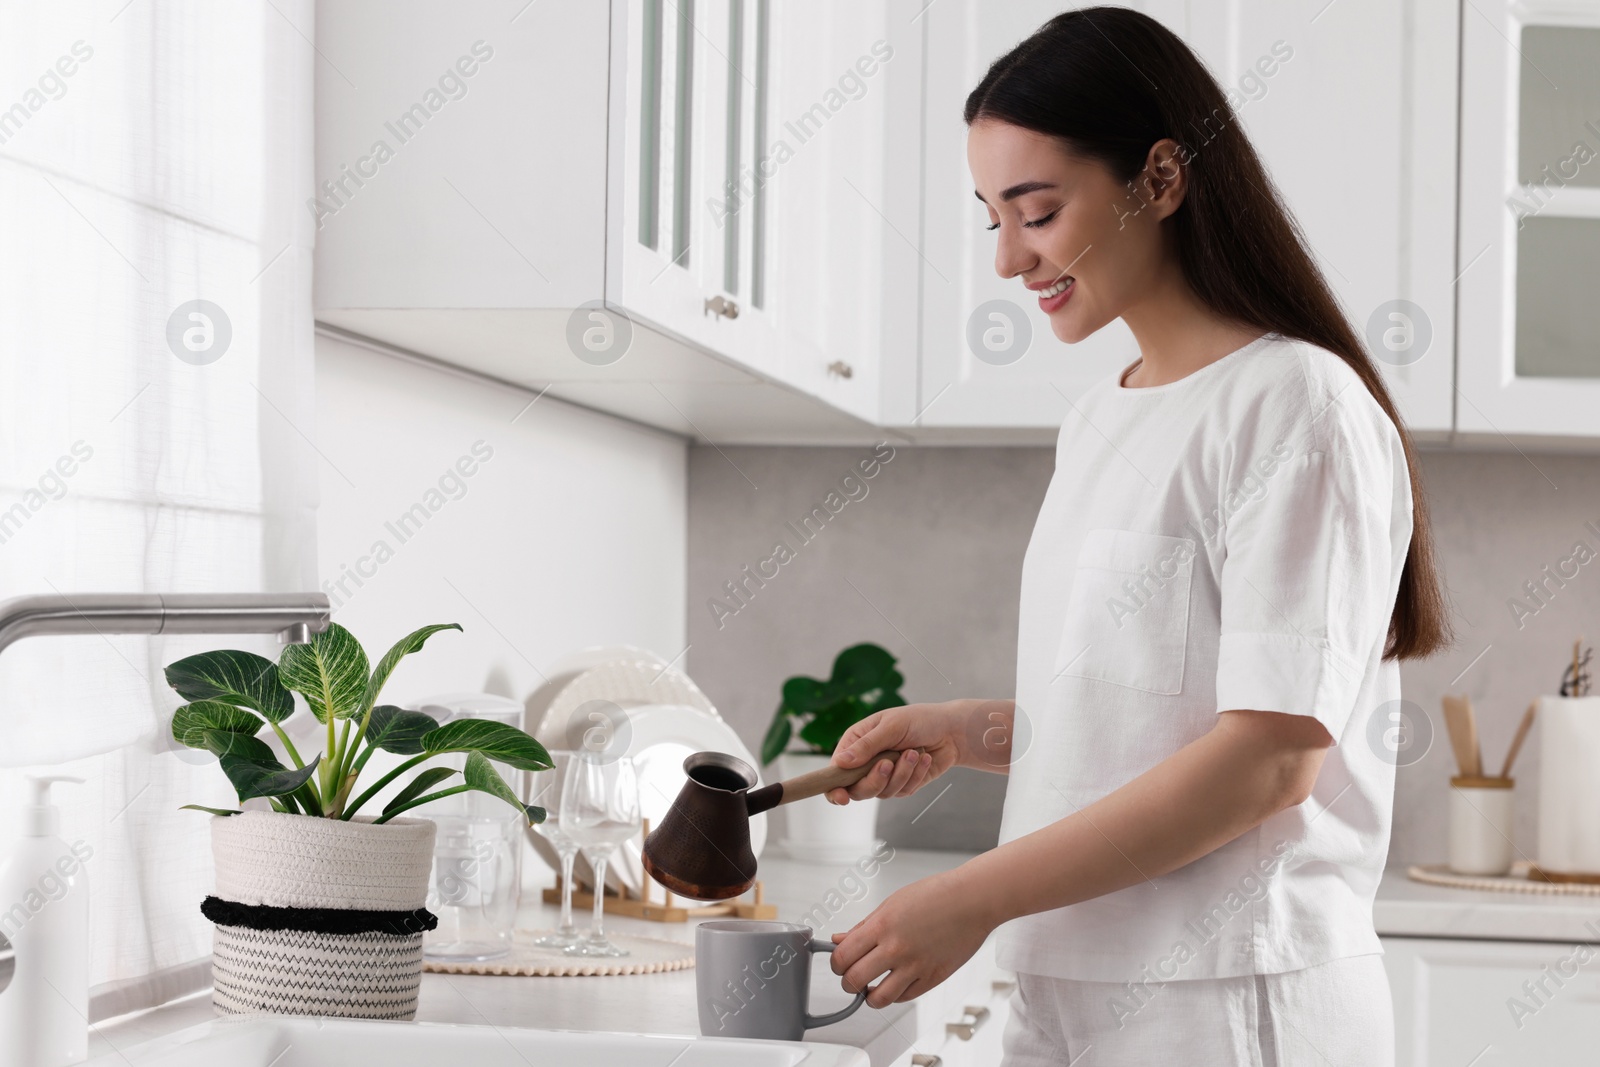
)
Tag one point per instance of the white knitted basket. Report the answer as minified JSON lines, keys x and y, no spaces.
{"x":297,"y":861}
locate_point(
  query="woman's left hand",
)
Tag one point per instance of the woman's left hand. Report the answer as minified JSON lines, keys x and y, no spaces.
{"x":921,"y":934}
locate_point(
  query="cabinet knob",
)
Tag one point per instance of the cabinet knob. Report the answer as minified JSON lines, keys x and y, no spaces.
{"x":971,"y":1019}
{"x":722,"y":307}
{"x":926,"y":1059}
{"x":840,"y":369}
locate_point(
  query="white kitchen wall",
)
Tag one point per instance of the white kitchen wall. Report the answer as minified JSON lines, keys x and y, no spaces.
{"x":539,"y":529}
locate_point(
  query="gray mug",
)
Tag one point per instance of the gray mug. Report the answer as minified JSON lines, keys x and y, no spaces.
{"x":753,"y":978}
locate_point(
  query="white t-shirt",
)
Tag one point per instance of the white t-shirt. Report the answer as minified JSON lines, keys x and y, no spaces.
{"x":1230,"y":540}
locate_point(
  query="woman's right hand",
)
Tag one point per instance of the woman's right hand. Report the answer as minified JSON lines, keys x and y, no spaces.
{"x":931,"y":739}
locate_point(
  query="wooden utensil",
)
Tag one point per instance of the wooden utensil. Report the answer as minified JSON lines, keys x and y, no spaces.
{"x":701,"y":850}
{"x":1473,"y":745}
{"x":1458,"y":720}
{"x":1521,"y":736}
{"x":1456,"y":727}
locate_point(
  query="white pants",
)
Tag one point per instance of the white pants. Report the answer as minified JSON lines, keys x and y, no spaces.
{"x":1337,"y":1013}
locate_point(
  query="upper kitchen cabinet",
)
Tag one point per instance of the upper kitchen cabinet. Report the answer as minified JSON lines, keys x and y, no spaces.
{"x":762,"y":237}
{"x":500,"y":179}
{"x":841,"y":163}
{"x":989,"y":359}
{"x":1529,"y":358}
{"x":1352,"y":107}
{"x":461,"y":155}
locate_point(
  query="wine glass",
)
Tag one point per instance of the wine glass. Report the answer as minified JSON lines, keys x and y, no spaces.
{"x":547,"y":792}
{"x":599,"y":810}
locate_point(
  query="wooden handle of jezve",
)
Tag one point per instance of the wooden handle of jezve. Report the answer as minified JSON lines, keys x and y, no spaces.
{"x":815,"y":783}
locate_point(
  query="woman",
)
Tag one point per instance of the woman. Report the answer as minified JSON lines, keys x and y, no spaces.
{"x":1232,"y":557}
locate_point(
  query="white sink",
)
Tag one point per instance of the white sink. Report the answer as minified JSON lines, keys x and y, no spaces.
{"x":310,"y":1042}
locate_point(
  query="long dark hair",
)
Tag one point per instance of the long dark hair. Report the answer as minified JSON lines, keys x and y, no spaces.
{"x":1110,"y":83}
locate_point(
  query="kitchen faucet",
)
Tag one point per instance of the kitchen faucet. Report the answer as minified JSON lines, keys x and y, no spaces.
{"x":293,"y":616}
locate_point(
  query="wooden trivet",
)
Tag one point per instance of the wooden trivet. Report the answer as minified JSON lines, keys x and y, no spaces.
{"x":673,"y":909}
{"x":1524,"y":878}
{"x":646,"y":955}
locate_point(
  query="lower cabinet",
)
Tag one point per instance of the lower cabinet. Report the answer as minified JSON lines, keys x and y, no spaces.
{"x":1494,"y":1003}
{"x":1456,"y":1003}
{"x":960,"y":1024}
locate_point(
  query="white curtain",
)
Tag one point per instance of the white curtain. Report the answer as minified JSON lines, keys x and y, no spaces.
{"x":153,"y":153}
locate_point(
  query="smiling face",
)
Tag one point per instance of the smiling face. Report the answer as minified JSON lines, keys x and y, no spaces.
{"x":1087,"y":246}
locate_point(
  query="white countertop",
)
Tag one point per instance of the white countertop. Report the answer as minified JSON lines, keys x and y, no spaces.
{"x":1405,"y":908}
{"x":665,"y":1003}
{"x":645,"y":1003}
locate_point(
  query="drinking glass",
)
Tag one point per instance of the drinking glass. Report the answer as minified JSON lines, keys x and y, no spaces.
{"x":476,"y":880}
{"x":599,"y":810}
{"x":547,"y":792}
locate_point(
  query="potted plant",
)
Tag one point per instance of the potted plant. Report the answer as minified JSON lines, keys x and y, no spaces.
{"x":811,"y":718}
{"x":318,"y":909}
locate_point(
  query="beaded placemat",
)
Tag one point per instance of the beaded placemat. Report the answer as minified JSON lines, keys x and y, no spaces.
{"x":646,"y":955}
{"x":1518,"y":881}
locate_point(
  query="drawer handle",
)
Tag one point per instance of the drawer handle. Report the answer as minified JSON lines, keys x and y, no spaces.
{"x":971,"y":1019}
{"x":839,"y":368}
{"x":722,"y":307}
{"x":926,"y":1059}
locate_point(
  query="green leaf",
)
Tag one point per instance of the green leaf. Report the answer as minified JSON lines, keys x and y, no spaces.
{"x":497,"y":740}
{"x":252,"y":778}
{"x":191,"y":722}
{"x":215,"y":811}
{"x":330,"y":672}
{"x":309,"y":800}
{"x":777,"y":738}
{"x":802,"y":695}
{"x":398,"y":730}
{"x":864,"y":681}
{"x":861,"y":668}
{"x":241,"y":678}
{"x":408,"y":644}
{"x":241,"y":746}
{"x":481,"y":775}
{"x":887,"y":698}
{"x":419,"y":785}
{"x":829,"y":725}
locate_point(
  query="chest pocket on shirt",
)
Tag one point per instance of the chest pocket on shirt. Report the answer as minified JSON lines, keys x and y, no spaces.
{"x":1127,"y":617}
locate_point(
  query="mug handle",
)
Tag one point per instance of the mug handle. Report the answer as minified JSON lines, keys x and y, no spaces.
{"x":813,"y":1021}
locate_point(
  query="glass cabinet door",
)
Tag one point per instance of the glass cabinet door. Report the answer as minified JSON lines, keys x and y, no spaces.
{"x":1529,"y":320}
{"x":695,"y":253}
{"x":739,"y":234}
{"x":666,"y":128}
{"x":737,"y":210}
{"x":1558,"y":234}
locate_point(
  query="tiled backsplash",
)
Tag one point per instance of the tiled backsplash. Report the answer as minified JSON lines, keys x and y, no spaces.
{"x":924,"y":558}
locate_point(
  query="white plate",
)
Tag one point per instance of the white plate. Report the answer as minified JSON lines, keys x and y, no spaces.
{"x":662,"y":736}
{"x":625,"y":683}
{"x":581,"y":660}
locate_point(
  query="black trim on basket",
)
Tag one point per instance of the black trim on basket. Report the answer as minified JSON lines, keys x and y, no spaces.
{"x":317,"y":920}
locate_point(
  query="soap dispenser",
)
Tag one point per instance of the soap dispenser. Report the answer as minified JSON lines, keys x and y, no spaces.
{"x":44,"y":914}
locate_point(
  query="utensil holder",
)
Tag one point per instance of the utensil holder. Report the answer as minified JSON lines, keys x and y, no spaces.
{"x":1480,"y":824}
